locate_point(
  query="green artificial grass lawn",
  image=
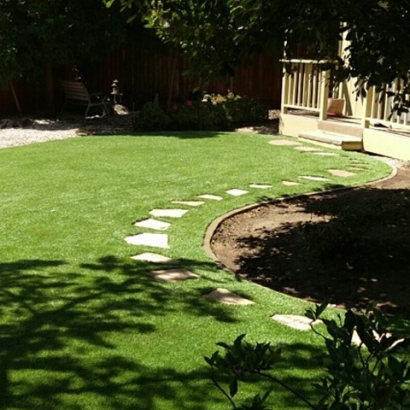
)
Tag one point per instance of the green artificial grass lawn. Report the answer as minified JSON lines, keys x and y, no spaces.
{"x":82,"y":326}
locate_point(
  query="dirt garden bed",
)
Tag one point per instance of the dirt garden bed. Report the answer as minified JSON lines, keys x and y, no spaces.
{"x":350,"y":247}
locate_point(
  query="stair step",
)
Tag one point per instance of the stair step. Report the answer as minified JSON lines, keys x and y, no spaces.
{"x":345,"y":142}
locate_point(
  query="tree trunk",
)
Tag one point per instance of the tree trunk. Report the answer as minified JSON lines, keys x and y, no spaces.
{"x":49,"y":91}
{"x":16,"y":100}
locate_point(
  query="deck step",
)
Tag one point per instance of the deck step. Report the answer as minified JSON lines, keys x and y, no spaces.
{"x":345,"y":142}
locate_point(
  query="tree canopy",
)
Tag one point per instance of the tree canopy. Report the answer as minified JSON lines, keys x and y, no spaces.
{"x":37,"y":33}
{"x":214,"y":34}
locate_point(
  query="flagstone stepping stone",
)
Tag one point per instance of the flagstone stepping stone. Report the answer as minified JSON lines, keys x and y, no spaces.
{"x":153,"y":224}
{"x":312,"y":178}
{"x":224,"y":296}
{"x":152,"y":257}
{"x":173,"y":275}
{"x":341,"y":173}
{"x":281,"y":143}
{"x":290,"y":183}
{"x":236,"y":192}
{"x":326,"y":154}
{"x":306,"y":149}
{"x":170,"y":213}
{"x":260,"y":186}
{"x":189,"y":203}
{"x":295,"y":321}
{"x":212,"y":197}
{"x":158,"y":240}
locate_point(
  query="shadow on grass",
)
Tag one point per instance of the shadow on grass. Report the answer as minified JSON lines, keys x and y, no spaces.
{"x":350,"y":246}
{"x":63,"y":337}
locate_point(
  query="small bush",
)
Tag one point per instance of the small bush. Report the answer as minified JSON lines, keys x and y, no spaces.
{"x":151,"y":118}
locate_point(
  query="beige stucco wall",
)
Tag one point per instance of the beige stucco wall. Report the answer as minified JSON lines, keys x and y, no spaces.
{"x":292,"y":125}
{"x":386,"y":144}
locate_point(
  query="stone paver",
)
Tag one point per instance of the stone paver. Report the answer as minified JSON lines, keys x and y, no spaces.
{"x":228,"y":298}
{"x":152,"y":257}
{"x":173,"y":275}
{"x":260,"y":186}
{"x":306,"y":149}
{"x":326,"y":154}
{"x":236,"y":192}
{"x":189,"y":203}
{"x":313,"y":178}
{"x":153,"y":224}
{"x":341,"y":173}
{"x":212,"y":197}
{"x":281,"y":143}
{"x":170,"y":213}
{"x":290,"y":183}
{"x":157,"y":240}
{"x":295,"y":321}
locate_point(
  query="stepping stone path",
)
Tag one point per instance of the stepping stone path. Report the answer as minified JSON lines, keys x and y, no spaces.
{"x":189,"y":203}
{"x":306,"y":149}
{"x":260,"y":186}
{"x":236,"y":192}
{"x":170,"y":213}
{"x":228,"y":298}
{"x":282,"y":143}
{"x":152,"y":257}
{"x":290,"y":183}
{"x":157,"y":240}
{"x":212,"y":197}
{"x":341,"y":173}
{"x":173,"y":275}
{"x":153,"y":224}
{"x":312,"y":178}
{"x":295,"y":321}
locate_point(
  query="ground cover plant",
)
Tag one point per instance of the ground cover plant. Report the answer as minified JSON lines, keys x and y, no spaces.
{"x":84,"y":326}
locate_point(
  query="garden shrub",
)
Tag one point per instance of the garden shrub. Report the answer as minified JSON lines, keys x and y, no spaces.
{"x":215,"y":112}
{"x":151,"y":118}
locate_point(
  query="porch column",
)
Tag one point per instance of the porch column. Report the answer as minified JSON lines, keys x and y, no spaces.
{"x":367,"y":109}
{"x":324,"y":94}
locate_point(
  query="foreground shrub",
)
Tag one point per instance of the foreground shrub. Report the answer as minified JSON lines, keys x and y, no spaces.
{"x":366,"y":367}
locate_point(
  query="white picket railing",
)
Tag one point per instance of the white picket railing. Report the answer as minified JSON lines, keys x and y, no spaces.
{"x":307,"y":88}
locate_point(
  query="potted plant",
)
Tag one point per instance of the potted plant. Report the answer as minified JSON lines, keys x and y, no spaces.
{"x":335,"y":102}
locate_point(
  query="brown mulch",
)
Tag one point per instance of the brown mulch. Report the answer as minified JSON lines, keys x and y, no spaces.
{"x":350,"y":247}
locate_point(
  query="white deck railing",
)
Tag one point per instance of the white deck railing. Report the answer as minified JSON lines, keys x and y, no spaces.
{"x":379,"y":108}
{"x":307,"y":88}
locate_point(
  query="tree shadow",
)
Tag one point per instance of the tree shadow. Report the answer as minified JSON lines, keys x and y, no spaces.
{"x":53,"y":320}
{"x":350,"y":247}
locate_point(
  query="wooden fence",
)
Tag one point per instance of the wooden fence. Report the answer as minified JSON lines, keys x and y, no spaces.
{"x":144,"y":73}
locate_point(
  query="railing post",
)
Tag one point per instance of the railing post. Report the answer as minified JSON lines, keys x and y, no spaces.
{"x":285,"y":92}
{"x":367,"y":111}
{"x":324,"y":94}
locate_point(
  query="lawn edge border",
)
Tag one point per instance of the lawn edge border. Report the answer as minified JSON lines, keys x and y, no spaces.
{"x":214,"y":225}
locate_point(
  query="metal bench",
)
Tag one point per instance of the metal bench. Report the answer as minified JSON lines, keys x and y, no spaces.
{"x":76,"y":93}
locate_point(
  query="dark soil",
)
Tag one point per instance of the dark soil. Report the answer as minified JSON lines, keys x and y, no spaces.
{"x":349,"y":248}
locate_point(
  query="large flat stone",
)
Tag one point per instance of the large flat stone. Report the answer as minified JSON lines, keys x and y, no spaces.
{"x":236,"y":192}
{"x":227,"y":297}
{"x":313,"y":178}
{"x":341,"y":173}
{"x":173,"y":275}
{"x":295,"y":321}
{"x":260,"y":186}
{"x":290,"y":183}
{"x":152,"y":257}
{"x":153,"y":224}
{"x":211,"y":197}
{"x":157,"y":240}
{"x":170,"y":213}
{"x":189,"y":203}
{"x":283,"y":143}
{"x":306,"y":149}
